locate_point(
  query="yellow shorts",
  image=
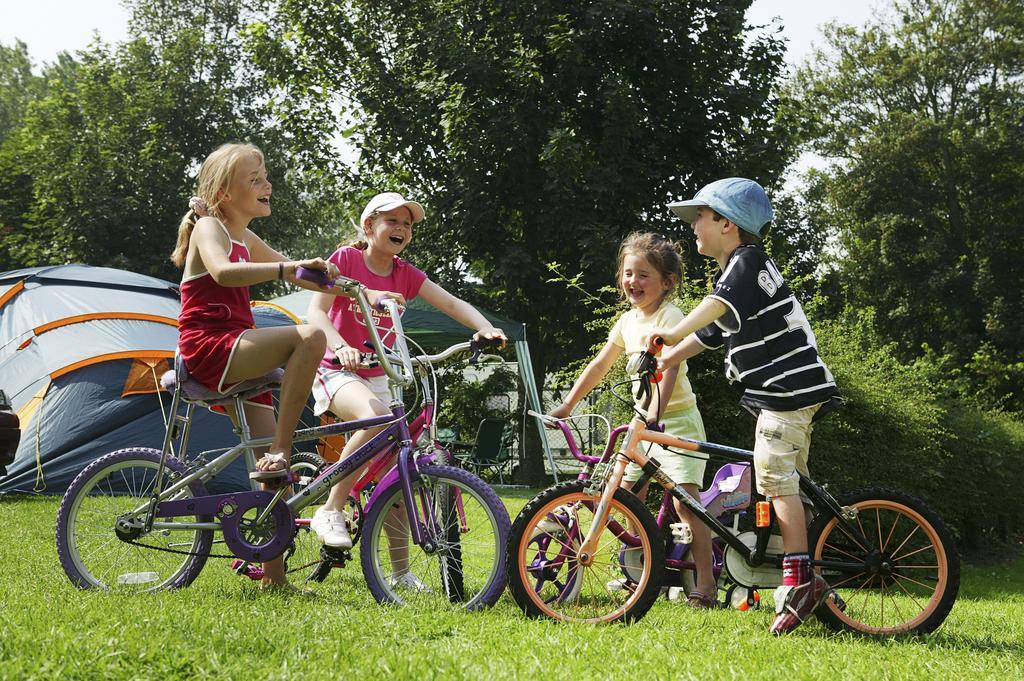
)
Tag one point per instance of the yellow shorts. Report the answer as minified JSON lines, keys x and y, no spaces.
{"x":683,"y":468}
{"x":781,"y":447}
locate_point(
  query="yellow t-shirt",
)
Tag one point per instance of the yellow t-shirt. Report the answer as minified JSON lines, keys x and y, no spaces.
{"x":628,"y":333}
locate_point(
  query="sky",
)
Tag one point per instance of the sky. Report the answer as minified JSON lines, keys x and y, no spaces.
{"x":49,"y":26}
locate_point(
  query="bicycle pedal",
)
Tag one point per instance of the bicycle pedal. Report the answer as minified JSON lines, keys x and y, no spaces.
{"x":837,"y":600}
{"x":253,"y":572}
{"x":335,"y":556}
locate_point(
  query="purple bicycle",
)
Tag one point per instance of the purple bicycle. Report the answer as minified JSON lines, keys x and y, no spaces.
{"x":141,"y":519}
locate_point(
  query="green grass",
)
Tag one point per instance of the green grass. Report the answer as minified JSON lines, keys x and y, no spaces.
{"x":222,"y":627}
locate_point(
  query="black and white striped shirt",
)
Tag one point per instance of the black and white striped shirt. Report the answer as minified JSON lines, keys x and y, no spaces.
{"x":770,"y":350}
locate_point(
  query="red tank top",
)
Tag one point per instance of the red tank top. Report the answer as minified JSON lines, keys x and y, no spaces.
{"x":208,"y":306}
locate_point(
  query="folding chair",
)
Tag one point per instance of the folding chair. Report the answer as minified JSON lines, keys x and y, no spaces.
{"x":490,"y":450}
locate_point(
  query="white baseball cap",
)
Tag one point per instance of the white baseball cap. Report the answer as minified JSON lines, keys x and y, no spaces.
{"x":388,"y":201}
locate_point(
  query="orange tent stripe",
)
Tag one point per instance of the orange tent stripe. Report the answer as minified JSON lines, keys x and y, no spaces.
{"x":129,"y":354}
{"x":104,"y":315}
{"x":11,"y":292}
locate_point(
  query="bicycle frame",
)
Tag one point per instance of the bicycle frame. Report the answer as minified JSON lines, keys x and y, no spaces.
{"x":637,"y":432}
{"x":396,"y":433}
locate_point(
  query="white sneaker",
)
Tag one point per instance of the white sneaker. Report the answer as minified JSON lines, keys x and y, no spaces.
{"x":332,"y":528}
{"x":553,"y":524}
{"x":617,"y":584}
{"x":408,"y":581}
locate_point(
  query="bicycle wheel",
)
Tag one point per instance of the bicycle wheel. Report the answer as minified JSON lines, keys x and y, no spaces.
{"x":546,"y":577}
{"x":307,"y":466}
{"x":307,"y":558}
{"x":466,"y":526}
{"x":906,"y":571}
{"x":116,"y":489}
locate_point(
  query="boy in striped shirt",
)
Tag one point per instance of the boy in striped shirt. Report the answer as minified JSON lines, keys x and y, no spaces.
{"x":771,"y":352}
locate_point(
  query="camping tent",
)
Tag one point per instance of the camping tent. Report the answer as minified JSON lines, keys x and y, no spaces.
{"x":81,"y":351}
{"x":431,"y":328}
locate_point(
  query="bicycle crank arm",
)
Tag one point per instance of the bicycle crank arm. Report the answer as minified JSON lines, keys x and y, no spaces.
{"x":249,"y":539}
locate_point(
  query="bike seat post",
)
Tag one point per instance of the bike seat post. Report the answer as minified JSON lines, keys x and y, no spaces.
{"x":241,"y":428}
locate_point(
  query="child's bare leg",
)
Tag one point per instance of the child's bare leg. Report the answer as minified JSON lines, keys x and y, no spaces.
{"x":789,"y":511}
{"x":700,"y":550}
{"x":299,"y":349}
{"x":354,"y":401}
{"x":641,"y":494}
{"x":396,"y":526}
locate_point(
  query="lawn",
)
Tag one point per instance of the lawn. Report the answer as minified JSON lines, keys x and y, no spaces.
{"x":223,"y":627}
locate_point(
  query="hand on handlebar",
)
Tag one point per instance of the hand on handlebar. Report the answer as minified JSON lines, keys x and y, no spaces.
{"x":376,"y":298}
{"x":327,"y":269}
{"x":496,"y":335}
{"x":560,"y":412}
{"x":348,"y":358}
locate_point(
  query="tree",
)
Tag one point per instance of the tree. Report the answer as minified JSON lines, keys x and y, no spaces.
{"x":921,"y":114}
{"x":539,"y":132}
{"x":108,"y":154}
{"x":18,"y":87}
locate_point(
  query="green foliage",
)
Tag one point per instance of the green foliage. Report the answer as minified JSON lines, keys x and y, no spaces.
{"x":897,"y":428}
{"x":539,"y":132}
{"x":101,"y":160}
{"x":920,"y":112}
{"x":467,"y":400}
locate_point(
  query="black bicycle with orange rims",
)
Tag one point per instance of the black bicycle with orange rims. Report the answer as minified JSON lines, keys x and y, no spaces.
{"x":589,"y":551}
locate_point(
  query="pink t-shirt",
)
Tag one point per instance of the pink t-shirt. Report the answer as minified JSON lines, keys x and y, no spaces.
{"x":345,"y":313}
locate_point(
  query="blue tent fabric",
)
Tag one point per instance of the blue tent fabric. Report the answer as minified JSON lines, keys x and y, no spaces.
{"x":84,"y":417}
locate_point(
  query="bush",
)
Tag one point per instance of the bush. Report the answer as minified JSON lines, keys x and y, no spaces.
{"x":464,"y":399}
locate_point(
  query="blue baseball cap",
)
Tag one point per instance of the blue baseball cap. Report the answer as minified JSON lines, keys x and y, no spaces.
{"x":740,"y":200}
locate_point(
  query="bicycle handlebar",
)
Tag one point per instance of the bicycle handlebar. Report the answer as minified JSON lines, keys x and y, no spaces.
{"x":353,"y":289}
{"x":574,"y":448}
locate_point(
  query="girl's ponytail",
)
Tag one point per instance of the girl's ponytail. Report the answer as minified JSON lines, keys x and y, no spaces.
{"x":188,"y":223}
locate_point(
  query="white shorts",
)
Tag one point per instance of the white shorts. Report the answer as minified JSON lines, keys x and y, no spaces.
{"x":327,"y":382}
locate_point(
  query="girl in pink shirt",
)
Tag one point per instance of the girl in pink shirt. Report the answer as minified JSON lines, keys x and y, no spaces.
{"x":351,"y":392}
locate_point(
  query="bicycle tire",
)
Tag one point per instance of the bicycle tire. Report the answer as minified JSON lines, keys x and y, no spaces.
{"x":911,"y":565}
{"x":307,"y":466}
{"x":467,"y":572}
{"x":555,"y":585}
{"x":114,"y":486}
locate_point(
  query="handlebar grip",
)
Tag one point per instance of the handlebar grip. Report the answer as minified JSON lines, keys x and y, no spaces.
{"x":313,"y":276}
{"x":477,"y":345}
{"x":655,"y":345}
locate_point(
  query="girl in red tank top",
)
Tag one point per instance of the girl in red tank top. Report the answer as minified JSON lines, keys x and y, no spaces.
{"x":222,"y":257}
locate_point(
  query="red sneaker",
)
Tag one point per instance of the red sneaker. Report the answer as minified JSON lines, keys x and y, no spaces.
{"x":794,"y":604}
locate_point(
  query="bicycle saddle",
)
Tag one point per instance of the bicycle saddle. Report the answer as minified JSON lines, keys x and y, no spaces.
{"x":194,"y":391}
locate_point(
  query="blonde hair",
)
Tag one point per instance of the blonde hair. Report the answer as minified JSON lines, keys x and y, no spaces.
{"x":663,"y":254}
{"x":360,"y":241}
{"x":215,"y":176}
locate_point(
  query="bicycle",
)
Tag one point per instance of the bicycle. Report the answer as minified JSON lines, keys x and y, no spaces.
{"x":889,"y":559}
{"x":727,"y":498}
{"x":140,"y":519}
